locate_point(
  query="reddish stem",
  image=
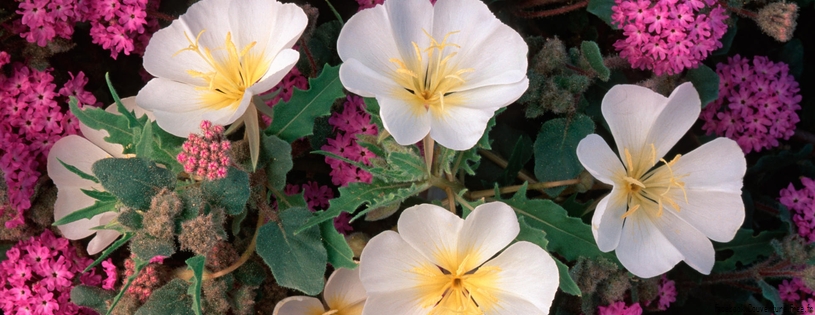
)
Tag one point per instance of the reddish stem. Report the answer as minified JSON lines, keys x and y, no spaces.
{"x":553,"y":12}
{"x":739,"y":11}
{"x":161,"y":16}
{"x":311,"y":61}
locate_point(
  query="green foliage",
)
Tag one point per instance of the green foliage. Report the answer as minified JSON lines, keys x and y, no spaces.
{"x":166,"y":148}
{"x":322,"y":47}
{"x":196,"y":264}
{"x":746,"y":248}
{"x":538,"y":237}
{"x":230,"y":193}
{"x":297,"y":260}
{"x":340,"y":254}
{"x":727,"y":39}
{"x":91,"y":297}
{"x":770,"y":293}
{"x":521,"y":153}
{"x":568,"y":236}
{"x":78,"y":172}
{"x":138,"y":265}
{"x":109,"y":250}
{"x":144,"y":142}
{"x":105,"y":202}
{"x":133,"y":181}
{"x":602,"y":9}
{"x":295,"y":119}
{"x":275,"y":155}
{"x":592,"y":54}
{"x":793,"y":54}
{"x":146,"y":247}
{"x":770,"y":165}
{"x":706,"y":82}
{"x":131,"y":219}
{"x":172,"y":298}
{"x":567,"y":284}
{"x":117,"y":126}
{"x":250,"y":273}
{"x":556,"y":149}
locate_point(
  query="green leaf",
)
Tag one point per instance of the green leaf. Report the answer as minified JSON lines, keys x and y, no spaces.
{"x":172,"y":298}
{"x":770,"y":293}
{"x":275,"y":155}
{"x":134,"y":181}
{"x":138,"y":265}
{"x":568,"y":236}
{"x":340,"y":254}
{"x":602,"y":9}
{"x":230,"y":192}
{"x":376,"y":194}
{"x":146,"y":246}
{"x":251,"y":273}
{"x":556,"y":150}
{"x":166,"y":148}
{"x":746,"y":248}
{"x":298,"y":260}
{"x":405,"y":167}
{"x":706,"y":82}
{"x":196,"y":264}
{"x":295,"y":119}
{"x":78,"y":172}
{"x":592,"y":53}
{"x":112,"y":248}
{"x":98,"y":207}
{"x":530,"y":234}
{"x":144,"y":144}
{"x":793,"y":54}
{"x":521,"y":153}
{"x":91,"y":297}
{"x":132,"y":121}
{"x":99,"y":195}
{"x":117,"y":126}
{"x":567,"y":284}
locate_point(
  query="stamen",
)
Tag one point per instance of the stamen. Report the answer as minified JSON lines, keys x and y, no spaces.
{"x":630,"y":211}
{"x":628,"y":160}
{"x":633,"y":181}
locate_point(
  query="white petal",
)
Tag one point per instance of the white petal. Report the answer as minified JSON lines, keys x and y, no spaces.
{"x":527,"y":273}
{"x":344,"y":291}
{"x":103,"y":238}
{"x":630,"y":112}
{"x":402,"y":122}
{"x":387,"y":263}
{"x":597,"y":157}
{"x":130,"y":104}
{"x":696,"y":248}
{"x":495,"y":52}
{"x":433,"y":231}
{"x":675,"y":120}
{"x":299,"y":305}
{"x":718,"y":165}
{"x":460,"y":127}
{"x":70,"y":199}
{"x":272,"y":26}
{"x":367,"y":37}
{"x":78,"y":152}
{"x":409,"y":20}
{"x":486,"y":231}
{"x":402,"y":302}
{"x":718,"y":215}
{"x":492,"y":96}
{"x":211,"y":16}
{"x":279,"y":68}
{"x":643,"y":250}
{"x":607,"y":222}
{"x":365,"y":81}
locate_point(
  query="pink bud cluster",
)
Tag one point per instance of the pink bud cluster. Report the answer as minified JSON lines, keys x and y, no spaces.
{"x":121,"y":26}
{"x":31,"y":121}
{"x":795,"y":291}
{"x":668,"y":36}
{"x":756,"y":105}
{"x":350,"y":122}
{"x":148,"y":279}
{"x":39,"y":273}
{"x":801,"y":203}
{"x":317,"y":197}
{"x":619,"y":308}
{"x":208,"y":155}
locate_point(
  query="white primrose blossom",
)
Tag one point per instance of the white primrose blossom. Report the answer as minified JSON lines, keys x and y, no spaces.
{"x":662,"y":210}
{"x":440,"y":264}
{"x":442,"y":70}
{"x":81,"y":153}
{"x":343,"y":295}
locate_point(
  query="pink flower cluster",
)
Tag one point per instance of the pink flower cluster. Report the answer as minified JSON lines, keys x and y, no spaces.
{"x":756,"y":105}
{"x":285,"y":89}
{"x":367,"y":4}
{"x":619,"y":308}
{"x":148,"y":279}
{"x":668,"y":36}
{"x":795,"y":291}
{"x":208,"y":155}
{"x":667,"y":293}
{"x":39,"y":274}
{"x":801,"y":203}
{"x":121,"y":26}
{"x":353,"y":120}
{"x":317,"y":197}
{"x":31,"y":121}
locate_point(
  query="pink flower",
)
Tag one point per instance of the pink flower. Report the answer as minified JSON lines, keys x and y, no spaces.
{"x":801,"y":204}
{"x":619,"y":308}
{"x":667,"y":293}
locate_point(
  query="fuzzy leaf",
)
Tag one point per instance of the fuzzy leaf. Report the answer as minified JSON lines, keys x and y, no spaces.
{"x":275,"y":155}
{"x":98,"y":207}
{"x":251,"y":273}
{"x":568,"y":236}
{"x":592,"y":53}
{"x":556,"y":150}
{"x":405,"y":167}
{"x":295,"y":119}
{"x":746,"y":248}
{"x":146,"y":247}
{"x":196,"y":264}
{"x":771,"y":294}
{"x":230,"y":192}
{"x":340,"y":254}
{"x":298,"y":260}
{"x":706,"y":82}
{"x":91,"y":297}
{"x":134,"y":181}
{"x":602,"y":9}
{"x":118,"y":243}
{"x":166,"y":148}
{"x":172,"y":298}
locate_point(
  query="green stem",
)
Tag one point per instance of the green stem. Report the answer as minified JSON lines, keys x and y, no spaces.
{"x":333,"y":10}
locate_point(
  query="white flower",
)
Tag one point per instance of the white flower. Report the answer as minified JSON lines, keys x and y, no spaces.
{"x":211,"y":61}
{"x":657,"y":216}
{"x":343,"y":295}
{"x":442,"y":70}
{"x":441,"y":264}
{"x":82,"y":153}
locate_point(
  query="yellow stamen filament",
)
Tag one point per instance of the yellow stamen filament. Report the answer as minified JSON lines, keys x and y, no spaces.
{"x":430,"y":84}
{"x":230,"y":73}
{"x":644,"y":186}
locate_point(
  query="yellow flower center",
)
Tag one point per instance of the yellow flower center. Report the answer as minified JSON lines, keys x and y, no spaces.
{"x":231,"y":72}
{"x":430,"y":84}
{"x":651,"y":189}
{"x":457,"y":290}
